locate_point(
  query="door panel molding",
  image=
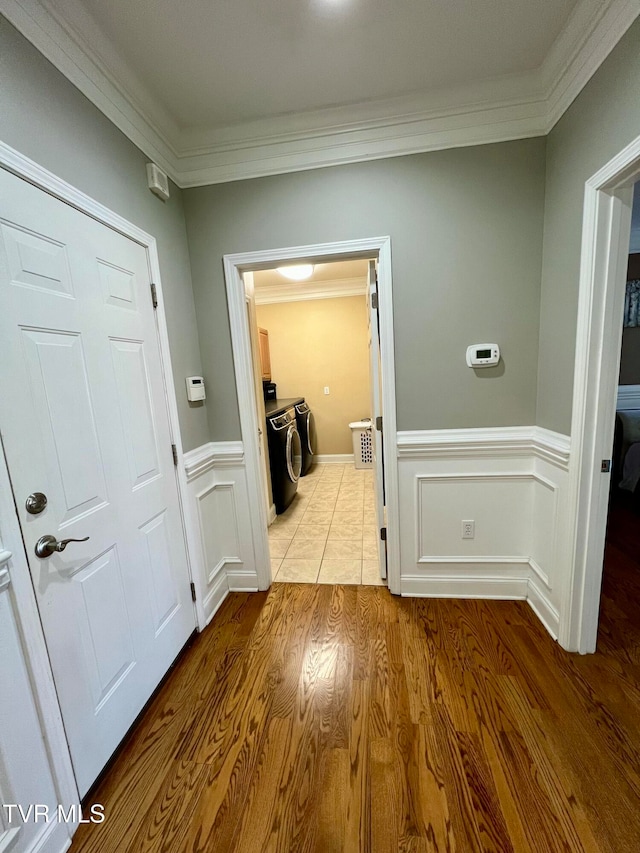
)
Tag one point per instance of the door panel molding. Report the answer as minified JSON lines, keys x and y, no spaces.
{"x":116,"y":292}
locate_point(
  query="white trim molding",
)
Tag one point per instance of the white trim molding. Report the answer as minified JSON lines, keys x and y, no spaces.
{"x":211,"y":455}
{"x":221,"y":532}
{"x":36,"y":765}
{"x":52,"y":728}
{"x":334,"y":459}
{"x":511,"y":482}
{"x":301,"y":291}
{"x":492,"y":442}
{"x":512,"y":107}
{"x":15,"y":162}
{"x":628,"y":398}
{"x":234,"y":267}
{"x":606,"y":223}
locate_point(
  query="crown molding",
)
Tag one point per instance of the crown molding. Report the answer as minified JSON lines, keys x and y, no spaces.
{"x":594,"y":29}
{"x":498,"y":110}
{"x":301,"y":291}
{"x":80,"y":63}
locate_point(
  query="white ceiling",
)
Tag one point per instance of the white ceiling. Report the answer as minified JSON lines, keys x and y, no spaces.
{"x":336,"y":271}
{"x":228,"y":89}
{"x":332,"y":280}
{"x":216,"y":63}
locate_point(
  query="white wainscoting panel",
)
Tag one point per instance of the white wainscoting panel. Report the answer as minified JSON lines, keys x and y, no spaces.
{"x":221,"y":537}
{"x":510,"y":482}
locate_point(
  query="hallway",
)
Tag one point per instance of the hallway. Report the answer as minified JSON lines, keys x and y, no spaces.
{"x":332,"y":718}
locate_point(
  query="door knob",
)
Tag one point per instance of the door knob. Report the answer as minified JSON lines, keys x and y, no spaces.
{"x":48,"y":545}
{"x":36,"y":503}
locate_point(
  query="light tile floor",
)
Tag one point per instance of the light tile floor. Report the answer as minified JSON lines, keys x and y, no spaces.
{"x":329,"y":533}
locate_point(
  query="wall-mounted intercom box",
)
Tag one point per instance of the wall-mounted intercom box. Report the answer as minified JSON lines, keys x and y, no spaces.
{"x":195,"y":389}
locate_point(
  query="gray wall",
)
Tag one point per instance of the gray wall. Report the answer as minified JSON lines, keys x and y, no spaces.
{"x":603,"y":119}
{"x":466,"y":231}
{"x":43,"y":116}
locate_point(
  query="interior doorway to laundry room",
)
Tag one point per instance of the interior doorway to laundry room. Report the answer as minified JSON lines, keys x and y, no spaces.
{"x":315,"y":338}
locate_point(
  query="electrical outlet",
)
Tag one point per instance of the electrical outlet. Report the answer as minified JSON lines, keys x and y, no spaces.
{"x":468,"y":529}
{"x":326,"y":389}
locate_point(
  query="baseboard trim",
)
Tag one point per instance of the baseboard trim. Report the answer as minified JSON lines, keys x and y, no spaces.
{"x":542,"y":607}
{"x":456,"y":586}
{"x":335,"y":459}
{"x":518,"y":579}
{"x":215,"y":597}
{"x":538,"y":574}
{"x":242,"y":581}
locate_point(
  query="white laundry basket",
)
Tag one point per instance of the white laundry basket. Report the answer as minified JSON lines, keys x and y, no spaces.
{"x":362,"y":444}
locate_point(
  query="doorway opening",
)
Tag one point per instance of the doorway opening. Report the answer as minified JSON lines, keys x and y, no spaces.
{"x":601,"y":307}
{"x":299,"y":454}
{"x":315,"y":343}
{"x":619,"y":625}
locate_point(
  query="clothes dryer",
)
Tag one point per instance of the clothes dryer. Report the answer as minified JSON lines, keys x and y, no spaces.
{"x":285,"y":458}
{"x":307,"y":429}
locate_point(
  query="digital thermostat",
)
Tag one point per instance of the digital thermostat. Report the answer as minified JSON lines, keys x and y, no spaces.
{"x":483,"y":355}
{"x":195,"y":388}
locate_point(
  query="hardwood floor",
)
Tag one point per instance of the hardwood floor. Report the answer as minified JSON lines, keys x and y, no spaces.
{"x":338,"y":719}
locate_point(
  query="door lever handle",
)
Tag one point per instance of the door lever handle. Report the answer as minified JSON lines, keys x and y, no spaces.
{"x":48,"y":545}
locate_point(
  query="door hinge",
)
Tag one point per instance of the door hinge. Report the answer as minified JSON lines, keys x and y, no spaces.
{"x":154,"y":295}
{"x":374,"y":300}
{"x":383,"y":534}
{"x":379,"y":423}
{"x":193,"y":591}
{"x":174,"y":452}
{"x":605,"y":466}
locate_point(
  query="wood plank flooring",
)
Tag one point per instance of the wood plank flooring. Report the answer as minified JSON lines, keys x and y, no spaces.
{"x":339,"y":719}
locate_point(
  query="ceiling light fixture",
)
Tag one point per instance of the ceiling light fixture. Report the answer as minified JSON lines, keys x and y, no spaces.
{"x":297,"y":272}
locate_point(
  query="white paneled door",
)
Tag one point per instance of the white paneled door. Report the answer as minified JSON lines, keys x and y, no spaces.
{"x":84,"y":421}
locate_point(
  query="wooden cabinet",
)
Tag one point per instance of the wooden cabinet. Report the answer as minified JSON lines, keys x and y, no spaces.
{"x":265,"y":358}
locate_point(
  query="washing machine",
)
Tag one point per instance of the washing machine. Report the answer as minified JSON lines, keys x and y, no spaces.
{"x":307,"y":429}
{"x":285,"y":457}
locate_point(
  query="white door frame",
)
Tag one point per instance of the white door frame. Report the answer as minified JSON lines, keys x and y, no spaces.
{"x":234,"y":266}
{"x":23,"y":167}
{"x":604,"y":256}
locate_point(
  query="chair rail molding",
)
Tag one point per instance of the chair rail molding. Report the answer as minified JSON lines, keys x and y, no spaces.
{"x":512,"y":107}
{"x":628,"y":397}
{"x":510,"y":481}
{"x":211,"y":455}
{"x":496,"y":442}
